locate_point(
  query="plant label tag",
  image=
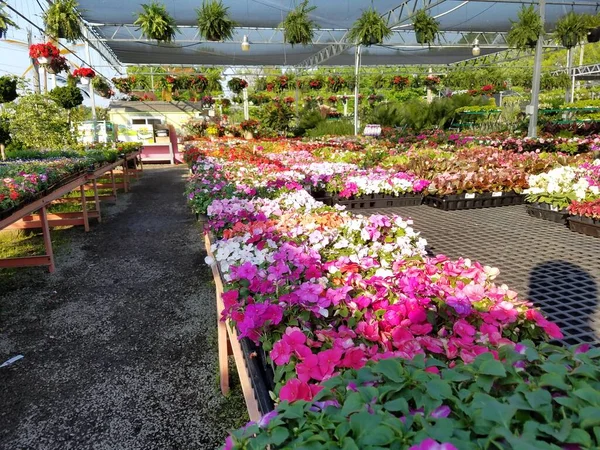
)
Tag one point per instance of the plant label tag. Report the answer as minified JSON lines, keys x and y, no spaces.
{"x":553,"y":208}
{"x":496,"y":194}
{"x":472,"y":195}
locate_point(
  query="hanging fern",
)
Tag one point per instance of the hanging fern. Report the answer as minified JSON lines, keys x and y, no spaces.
{"x":213,"y":22}
{"x":369,"y":29}
{"x":5,"y":22}
{"x":62,"y":21}
{"x":426,"y":27}
{"x":297,"y":27}
{"x":571,"y":29}
{"x":525,"y":32}
{"x":156,"y":23}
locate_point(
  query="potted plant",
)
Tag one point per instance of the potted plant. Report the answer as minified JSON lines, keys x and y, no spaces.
{"x":124,"y":84}
{"x":101,"y":87}
{"x":336,"y":83}
{"x":400,"y":82}
{"x":85,"y":75}
{"x":525,"y":32}
{"x":369,"y":29}
{"x":67,"y":97}
{"x":5,"y":22}
{"x":156,"y":23}
{"x":61,"y":20}
{"x":199,"y":83}
{"x":58,"y":64}
{"x":207,"y":100}
{"x":297,"y":27}
{"x":8,"y":89}
{"x":237,"y":85}
{"x":571,"y":29}
{"x":213,"y":22}
{"x":249,"y":127}
{"x":431,"y":81}
{"x":426,"y":27}
{"x":43,"y":52}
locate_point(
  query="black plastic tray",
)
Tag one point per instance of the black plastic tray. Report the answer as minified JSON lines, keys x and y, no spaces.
{"x":457,"y":202}
{"x":370,"y":201}
{"x":261,"y":374}
{"x":585,"y":225}
{"x":545,"y":211}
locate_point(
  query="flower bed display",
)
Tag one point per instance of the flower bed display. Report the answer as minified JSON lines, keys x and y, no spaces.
{"x":550,"y":193}
{"x":324,"y":292}
{"x":585,"y":217}
{"x":22,"y":181}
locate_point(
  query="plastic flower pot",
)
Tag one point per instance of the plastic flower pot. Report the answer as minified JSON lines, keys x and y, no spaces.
{"x":85,"y":80}
{"x":44,"y":60}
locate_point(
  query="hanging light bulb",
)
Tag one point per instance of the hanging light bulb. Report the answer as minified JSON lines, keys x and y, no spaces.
{"x":245,"y":44}
{"x":476,"y":51}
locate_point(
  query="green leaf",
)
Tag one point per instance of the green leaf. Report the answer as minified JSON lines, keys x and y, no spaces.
{"x":279,"y":435}
{"x":395,"y":405}
{"x":349,"y":444}
{"x":579,"y":436}
{"x":590,"y":395}
{"x":391,"y":368}
{"x":439,"y":389}
{"x":381,"y":436}
{"x":554,"y":380}
{"x":589,"y":416}
{"x":454,"y":376}
{"x":354,"y":403}
{"x":492,"y":367}
{"x":538,"y":398}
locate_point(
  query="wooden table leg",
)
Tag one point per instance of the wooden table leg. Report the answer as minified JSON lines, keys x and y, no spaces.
{"x":114,"y":186}
{"x":125,"y":175}
{"x":97,"y":200}
{"x":86,"y":222}
{"x":47,"y":239}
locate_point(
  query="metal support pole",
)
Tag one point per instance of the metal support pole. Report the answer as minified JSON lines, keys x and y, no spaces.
{"x":88,"y":57}
{"x":429,"y":91}
{"x":356,"y":88}
{"x":537,"y":74}
{"x":246,"y":108}
{"x":569,"y":93}
{"x":36,"y":70}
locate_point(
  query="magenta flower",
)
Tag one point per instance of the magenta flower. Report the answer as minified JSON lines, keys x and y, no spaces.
{"x":430,"y":444}
{"x":295,"y":390}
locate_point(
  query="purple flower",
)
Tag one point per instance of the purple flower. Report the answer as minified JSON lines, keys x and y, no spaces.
{"x":520,"y":365}
{"x":264,"y":420}
{"x":441,"y":412}
{"x":520,"y":348}
{"x":583,"y":348}
{"x":430,"y":444}
{"x":352,"y":387}
{"x":461,"y":305}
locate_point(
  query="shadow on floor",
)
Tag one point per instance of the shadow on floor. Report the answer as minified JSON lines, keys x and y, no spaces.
{"x":568,"y":295}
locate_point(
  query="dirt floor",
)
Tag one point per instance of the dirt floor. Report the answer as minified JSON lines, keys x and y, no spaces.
{"x":119,"y":344}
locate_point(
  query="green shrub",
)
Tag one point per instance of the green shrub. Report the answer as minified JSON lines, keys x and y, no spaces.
{"x":340,"y":127}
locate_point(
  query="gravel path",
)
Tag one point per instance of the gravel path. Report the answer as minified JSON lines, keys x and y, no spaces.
{"x":119,"y":344}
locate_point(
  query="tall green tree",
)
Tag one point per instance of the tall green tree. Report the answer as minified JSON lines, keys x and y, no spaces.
{"x":40,"y":123}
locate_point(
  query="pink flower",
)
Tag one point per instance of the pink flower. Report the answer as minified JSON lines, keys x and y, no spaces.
{"x":430,"y":444}
{"x":294,"y":390}
{"x":464,"y":329}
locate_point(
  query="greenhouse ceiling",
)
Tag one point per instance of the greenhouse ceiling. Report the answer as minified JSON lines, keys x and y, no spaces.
{"x":462,"y":23}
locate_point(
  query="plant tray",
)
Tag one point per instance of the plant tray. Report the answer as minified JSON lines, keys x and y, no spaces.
{"x":457,"y":202}
{"x":547,"y":212}
{"x":370,"y":201}
{"x":585,"y":225}
{"x":261,"y":374}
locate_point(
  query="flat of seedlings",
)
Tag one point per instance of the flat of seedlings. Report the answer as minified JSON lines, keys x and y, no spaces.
{"x":555,"y":268}
{"x":119,"y":344}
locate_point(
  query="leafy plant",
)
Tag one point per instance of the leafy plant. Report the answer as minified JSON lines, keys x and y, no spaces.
{"x":426,"y":27}
{"x":5,"y":22}
{"x":58,"y":64}
{"x":332,"y":128}
{"x":530,"y":397}
{"x":571,"y":29}
{"x":369,"y":29}
{"x":213,"y":22}
{"x":156,"y":23}
{"x":8,"y":88}
{"x":62,"y":21}
{"x":102,"y":87}
{"x":237,"y":85}
{"x":39,"y":122}
{"x":277,"y":116}
{"x":67,"y":97}
{"x":298,"y":28}
{"x":525,"y":32}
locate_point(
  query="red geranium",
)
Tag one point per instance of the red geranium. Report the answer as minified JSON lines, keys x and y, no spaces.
{"x":85,"y":72}
{"x":47,"y":50}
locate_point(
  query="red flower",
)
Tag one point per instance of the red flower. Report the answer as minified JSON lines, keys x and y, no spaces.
{"x":84,"y":72}
{"x":47,"y":50}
